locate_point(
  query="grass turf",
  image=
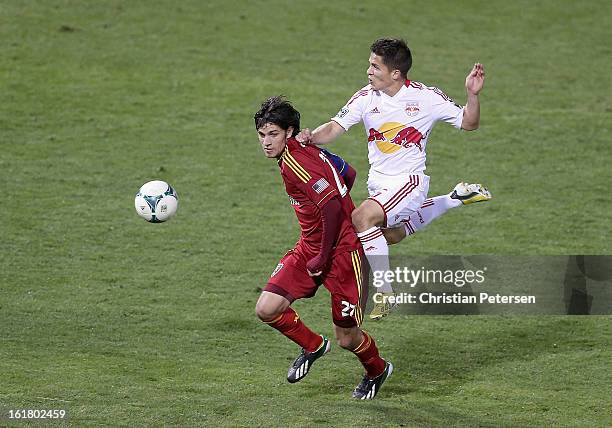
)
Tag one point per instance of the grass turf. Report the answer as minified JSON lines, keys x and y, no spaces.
{"x":131,"y":324}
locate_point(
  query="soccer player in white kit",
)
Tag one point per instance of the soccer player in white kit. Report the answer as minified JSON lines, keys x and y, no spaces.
{"x":398,"y":115}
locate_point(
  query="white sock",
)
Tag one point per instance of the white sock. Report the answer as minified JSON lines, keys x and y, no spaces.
{"x":377,"y":252}
{"x":431,"y":209}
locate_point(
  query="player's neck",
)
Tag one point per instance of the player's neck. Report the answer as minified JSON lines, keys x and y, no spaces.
{"x":394,"y":88}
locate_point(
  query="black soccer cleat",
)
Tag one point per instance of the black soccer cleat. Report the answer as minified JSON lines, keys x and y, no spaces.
{"x":302,"y":364}
{"x":368,"y":388}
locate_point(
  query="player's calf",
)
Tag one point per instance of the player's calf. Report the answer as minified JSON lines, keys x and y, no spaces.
{"x":364,"y":347}
{"x":394,"y":235}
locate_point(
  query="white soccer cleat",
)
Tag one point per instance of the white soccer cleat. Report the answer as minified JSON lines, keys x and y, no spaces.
{"x":470,"y":193}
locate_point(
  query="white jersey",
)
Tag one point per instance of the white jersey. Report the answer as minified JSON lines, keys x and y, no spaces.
{"x":398,"y":127}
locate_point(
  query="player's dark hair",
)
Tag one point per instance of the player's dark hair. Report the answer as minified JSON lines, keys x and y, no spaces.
{"x":278,"y":111}
{"x":395,"y":54}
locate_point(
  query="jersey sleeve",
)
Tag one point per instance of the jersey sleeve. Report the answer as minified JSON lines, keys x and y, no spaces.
{"x":353,"y":111}
{"x":312,"y":176}
{"x":445,"y":109}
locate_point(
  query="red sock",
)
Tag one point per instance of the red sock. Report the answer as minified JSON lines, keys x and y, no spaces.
{"x":290,"y":324}
{"x":367,"y":352}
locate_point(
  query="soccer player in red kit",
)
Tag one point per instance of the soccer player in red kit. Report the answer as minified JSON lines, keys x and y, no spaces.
{"x":328,"y":252}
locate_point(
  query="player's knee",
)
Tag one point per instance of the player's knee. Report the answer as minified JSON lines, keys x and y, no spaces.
{"x":345,"y":342}
{"x":360,"y":219}
{"x":348,"y":339}
{"x":365,"y":217}
{"x":265,"y":312}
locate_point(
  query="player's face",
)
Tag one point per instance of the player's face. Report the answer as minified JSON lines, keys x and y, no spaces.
{"x":379,"y":75}
{"x":273,"y":139}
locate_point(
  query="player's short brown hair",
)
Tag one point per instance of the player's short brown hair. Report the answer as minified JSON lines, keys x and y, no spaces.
{"x":395,"y":54}
{"x":278,"y":111}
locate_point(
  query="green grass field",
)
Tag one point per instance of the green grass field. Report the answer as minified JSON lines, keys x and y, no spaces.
{"x":126,"y":323}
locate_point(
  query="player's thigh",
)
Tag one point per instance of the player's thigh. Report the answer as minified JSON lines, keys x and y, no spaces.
{"x":400,"y":199}
{"x":290,"y":279}
{"x":346,"y":282}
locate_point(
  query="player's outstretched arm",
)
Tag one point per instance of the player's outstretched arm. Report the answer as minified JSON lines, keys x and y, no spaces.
{"x":324,"y":134}
{"x":474,"y":83}
{"x":327,"y":132}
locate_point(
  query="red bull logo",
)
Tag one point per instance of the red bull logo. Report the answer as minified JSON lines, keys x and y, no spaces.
{"x":389,"y":139}
{"x":408,"y":136}
{"x":376,"y":136}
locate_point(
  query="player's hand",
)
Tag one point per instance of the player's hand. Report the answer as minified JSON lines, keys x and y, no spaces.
{"x":475,"y":79}
{"x":304,"y":136}
{"x":314,"y":266}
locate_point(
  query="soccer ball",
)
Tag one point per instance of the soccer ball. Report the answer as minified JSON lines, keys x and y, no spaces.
{"x":156,"y":201}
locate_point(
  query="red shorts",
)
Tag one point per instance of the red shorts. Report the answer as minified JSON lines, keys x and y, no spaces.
{"x":346,"y":281}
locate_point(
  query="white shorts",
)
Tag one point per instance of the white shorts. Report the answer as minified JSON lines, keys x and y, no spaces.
{"x":399,"y":196}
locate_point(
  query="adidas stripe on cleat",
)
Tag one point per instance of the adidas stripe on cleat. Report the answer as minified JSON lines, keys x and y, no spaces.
{"x":303,"y":363}
{"x":470,"y":193}
{"x":368,"y":388}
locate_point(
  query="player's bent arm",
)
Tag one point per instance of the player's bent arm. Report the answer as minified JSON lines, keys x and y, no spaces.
{"x":474,"y":82}
{"x":330,"y":215}
{"x":327,"y":133}
{"x":471,"y":113}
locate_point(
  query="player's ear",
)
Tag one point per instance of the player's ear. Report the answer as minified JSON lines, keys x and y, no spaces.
{"x":396,"y":75}
{"x":289,"y":132}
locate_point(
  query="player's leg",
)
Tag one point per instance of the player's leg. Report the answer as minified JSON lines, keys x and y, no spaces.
{"x":432,"y":208}
{"x":289,"y":282}
{"x":397,"y":199}
{"x":346,"y":283}
{"x":275,"y":310}
{"x":364,"y":347}
{"x":368,"y":219}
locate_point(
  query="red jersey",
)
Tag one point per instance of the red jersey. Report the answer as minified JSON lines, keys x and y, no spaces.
{"x":311,"y":181}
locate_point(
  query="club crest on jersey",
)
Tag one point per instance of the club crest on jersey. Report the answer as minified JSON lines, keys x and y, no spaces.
{"x":277,"y":269}
{"x":412,"y":108}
